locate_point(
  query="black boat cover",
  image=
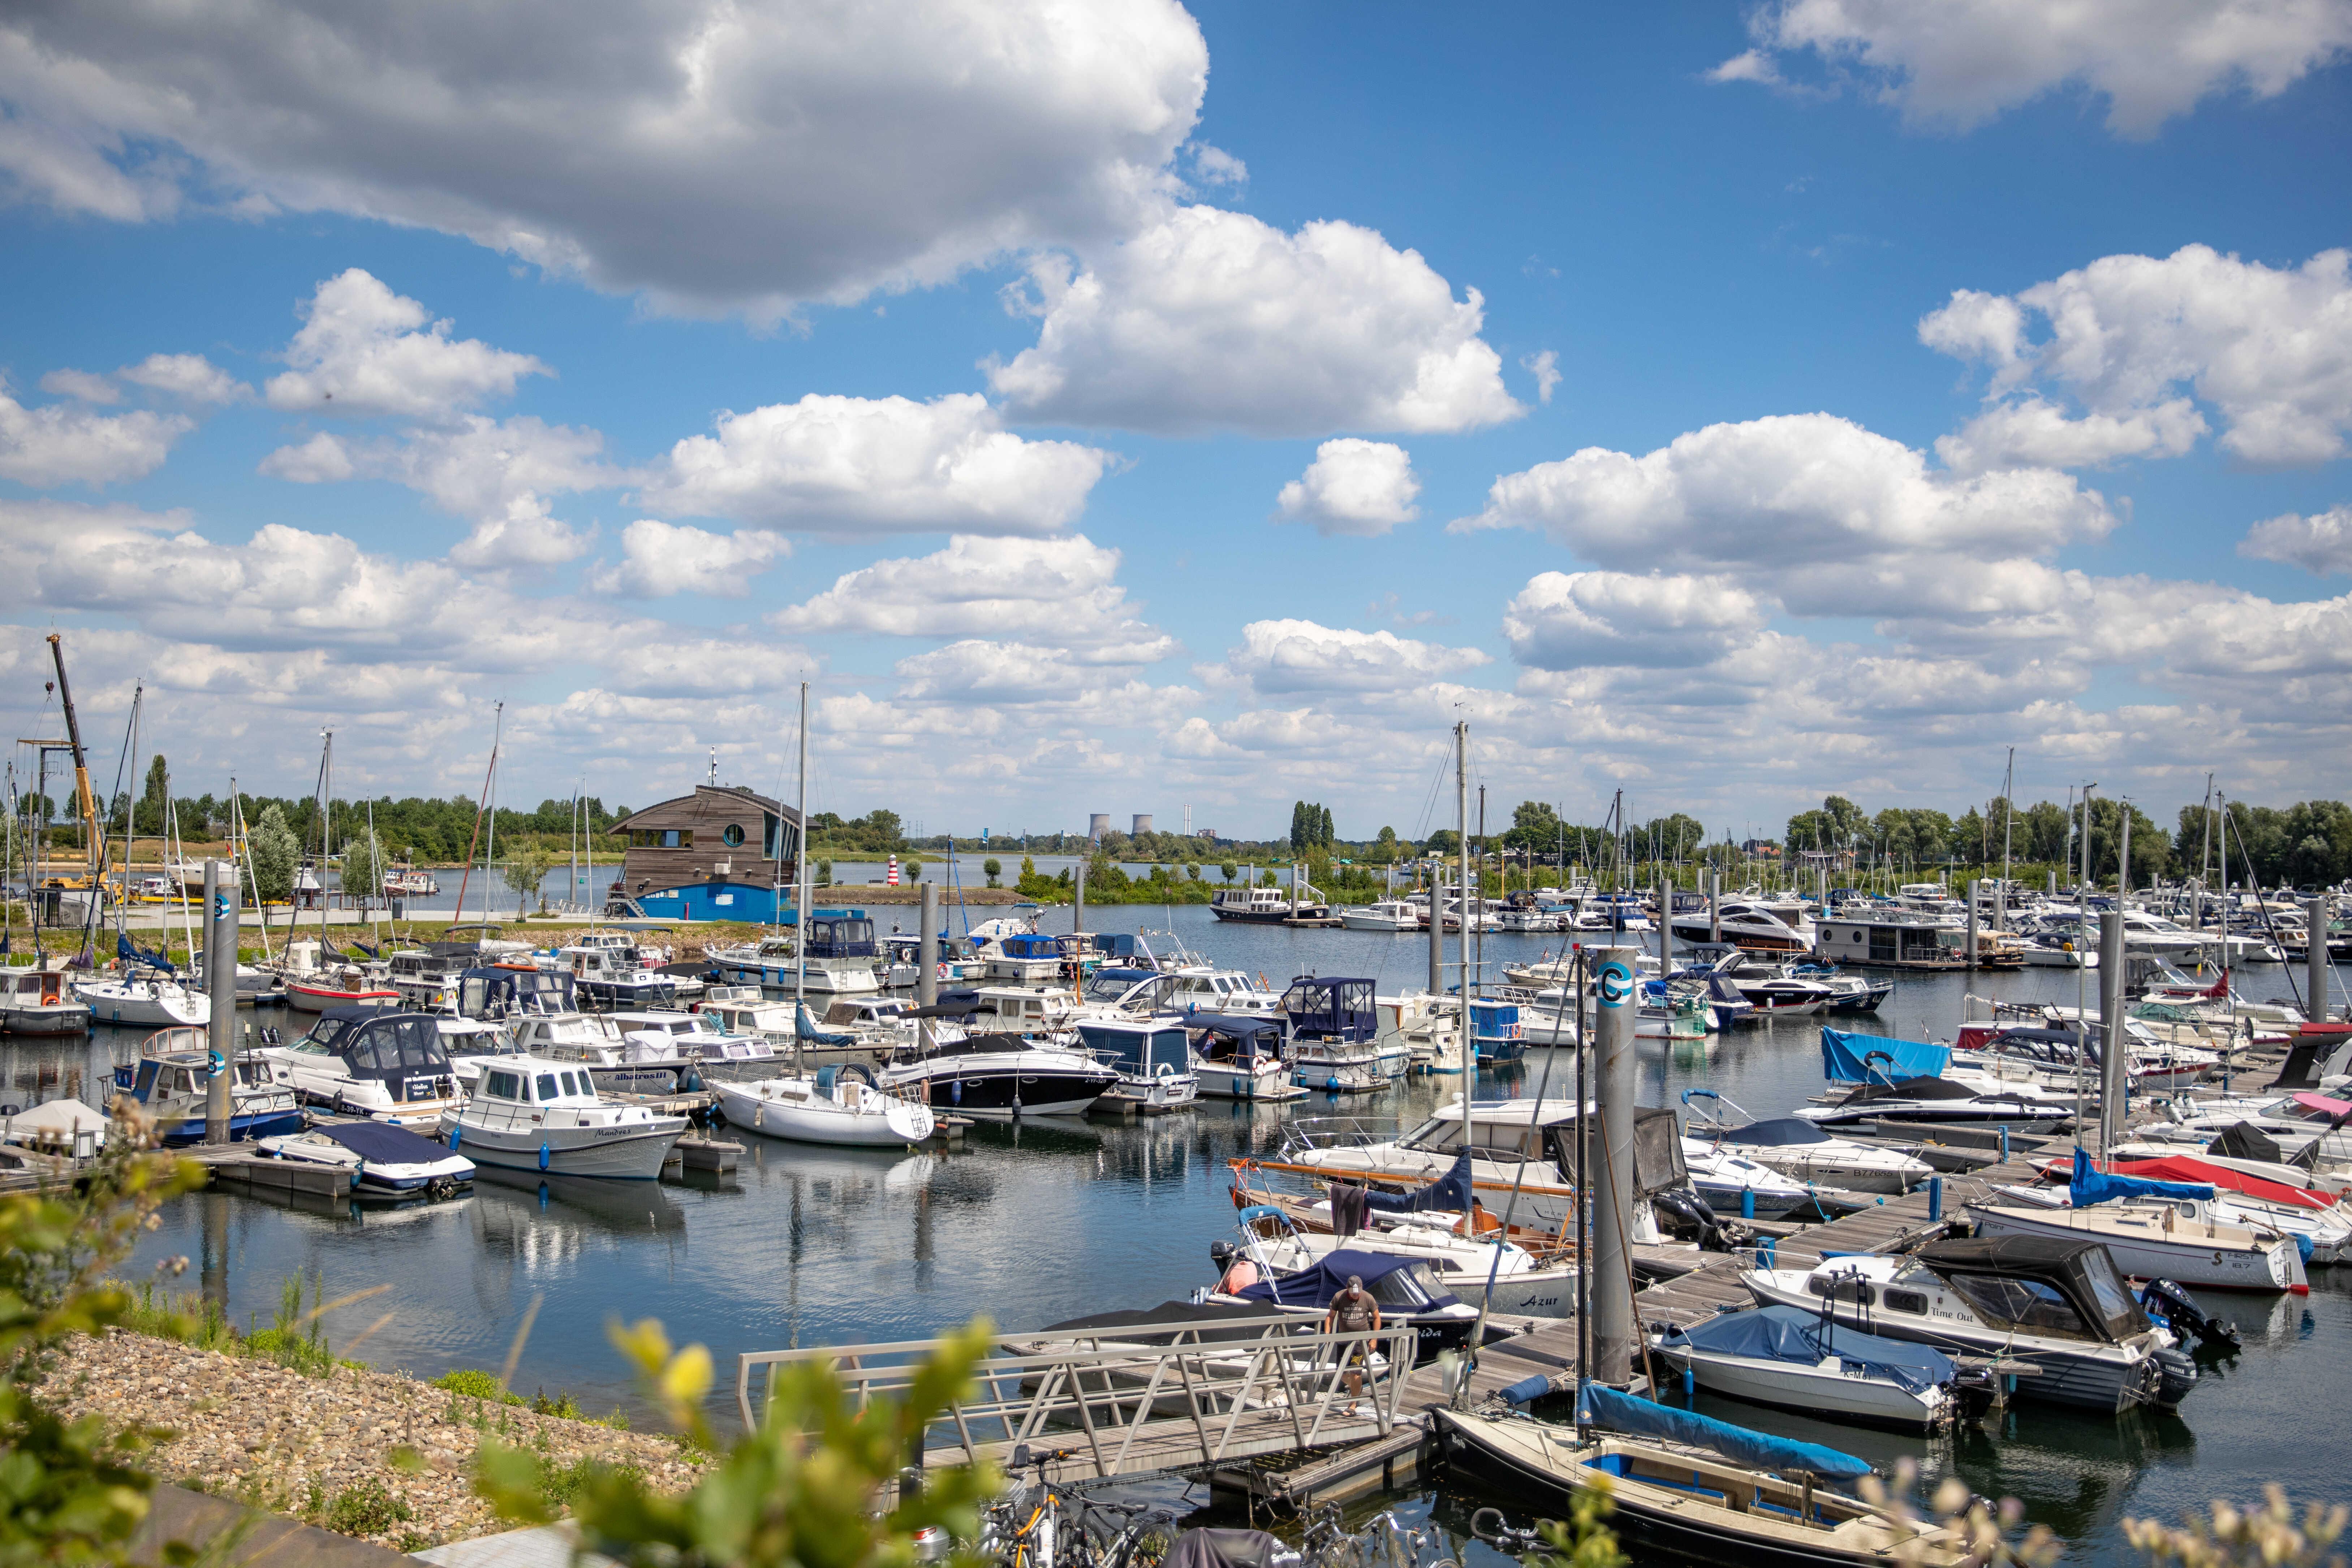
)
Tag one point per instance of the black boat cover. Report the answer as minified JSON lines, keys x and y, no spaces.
{"x":1315,"y":1287}
{"x":385,"y":1145}
{"x":1222,"y":1549}
{"x":1800,"y":1338}
{"x":1779,"y":1132}
{"x":2081,"y":1272}
{"x":2244,"y":1141}
{"x":1915,"y":1088}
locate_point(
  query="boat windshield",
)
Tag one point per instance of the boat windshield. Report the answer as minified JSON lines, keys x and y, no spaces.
{"x":2033,"y":1305}
{"x":1410,"y":1288}
{"x":2109,"y":1292}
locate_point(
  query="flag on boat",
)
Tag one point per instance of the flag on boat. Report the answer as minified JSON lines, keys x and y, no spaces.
{"x":893,"y":872}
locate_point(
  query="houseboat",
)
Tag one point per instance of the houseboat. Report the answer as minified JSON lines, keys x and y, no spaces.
{"x":1901,"y":938}
{"x":722,"y":853}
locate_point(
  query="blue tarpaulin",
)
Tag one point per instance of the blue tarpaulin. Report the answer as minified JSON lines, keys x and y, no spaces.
{"x":805,"y":1028}
{"x":1449,"y":1191}
{"x":1800,"y":1338}
{"x":2093,"y":1186}
{"x":1639,"y":1417}
{"x":130,"y":954}
{"x":1315,"y":1287}
{"x":1842,"y":1054}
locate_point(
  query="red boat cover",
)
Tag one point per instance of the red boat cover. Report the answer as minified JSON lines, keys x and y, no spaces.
{"x":2187,"y":1168}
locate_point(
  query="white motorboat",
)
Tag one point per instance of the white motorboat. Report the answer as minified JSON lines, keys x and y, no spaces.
{"x":1752,"y":927}
{"x":616,"y":976}
{"x":1389,"y":915}
{"x":1798,"y":1360}
{"x":2057,"y":1301}
{"x":1153,"y":1059}
{"x":1800,"y":1150}
{"x":1732,"y":1183}
{"x":383,"y":1161}
{"x":534,"y":1115}
{"x":1276,"y":1241}
{"x":2153,"y":1230}
{"x":1239,"y":1057}
{"x":171,"y":1080}
{"x":40,"y":1002}
{"x":1000,"y":1076}
{"x":148,"y":1001}
{"x":385,"y":1065}
{"x":1940,"y":1102}
{"x":843,"y":958}
{"x":831,"y":1106}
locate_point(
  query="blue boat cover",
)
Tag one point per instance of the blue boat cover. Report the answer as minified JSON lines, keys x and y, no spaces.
{"x":2093,"y":1186}
{"x":1842,"y":1055}
{"x":1639,"y":1417}
{"x":124,"y":951}
{"x":1797,"y":1337}
{"x":1449,"y":1191}
{"x":1779,"y":1132}
{"x":1315,"y":1287}
{"x":385,"y":1145}
{"x":804,"y":1027}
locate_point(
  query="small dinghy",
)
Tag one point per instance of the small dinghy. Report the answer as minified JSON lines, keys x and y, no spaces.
{"x":385,"y":1161}
{"x":1691,"y":1488}
{"x":1796,"y":1360}
{"x":835,"y":1106}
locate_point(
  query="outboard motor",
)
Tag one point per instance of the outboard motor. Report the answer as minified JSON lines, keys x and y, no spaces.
{"x":1692,"y":1214}
{"x":2170,"y":1305}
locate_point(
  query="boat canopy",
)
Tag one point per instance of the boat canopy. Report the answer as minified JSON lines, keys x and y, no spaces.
{"x":1248,"y":1037}
{"x":391,"y":1044}
{"x":1623,"y":1413}
{"x":1843,"y":1054}
{"x":951,"y":1004}
{"x":1315,"y":1286}
{"x":2014,"y":1279}
{"x":1779,"y":1132}
{"x":1452,"y":1191}
{"x":1800,"y":1338}
{"x":1341,"y":1008}
{"x":1920,"y":1089}
{"x":842,"y":937}
{"x":1123,"y":946}
{"x":385,"y":1145}
{"x":496,"y":992}
{"x":2092,"y":1185}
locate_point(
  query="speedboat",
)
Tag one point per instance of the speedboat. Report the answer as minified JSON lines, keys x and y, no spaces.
{"x":40,"y":1002}
{"x":387,"y":1064}
{"x":2059,"y":1302}
{"x":1000,"y":1076}
{"x":155,"y":1000}
{"x":1941,"y":1103}
{"x":1749,"y":926}
{"x":1285,"y":1236}
{"x":532,"y":1114}
{"x":1800,"y":1149}
{"x":173,"y":1080}
{"x":384,"y":1161}
{"x":834,"y":1105}
{"x":1684,"y":1488}
{"x":1729,"y":1181}
{"x":1389,"y":915}
{"x":1798,"y":1360}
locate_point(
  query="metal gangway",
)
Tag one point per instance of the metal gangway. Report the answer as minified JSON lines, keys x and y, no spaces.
{"x":1127,"y":1399}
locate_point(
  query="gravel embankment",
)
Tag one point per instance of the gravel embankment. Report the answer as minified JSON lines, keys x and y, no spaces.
{"x":252,"y":1430}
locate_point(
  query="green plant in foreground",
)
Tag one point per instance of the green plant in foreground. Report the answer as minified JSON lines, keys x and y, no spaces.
{"x":2270,"y":1536}
{"x":804,"y":1489}
{"x":468,"y":1382}
{"x":367,"y":1506}
{"x":1583,"y":1540}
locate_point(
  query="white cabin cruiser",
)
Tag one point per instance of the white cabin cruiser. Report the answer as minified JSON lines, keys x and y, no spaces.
{"x":1802,"y":1152}
{"x":1389,"y":915}
{"x":999,"y":1076}
{"x":375,"y":1061}
{"x":834,"y":1105}
{"x":147,"y":1000}
{"x":534,"y":1115}
{"x":40,"y":1002}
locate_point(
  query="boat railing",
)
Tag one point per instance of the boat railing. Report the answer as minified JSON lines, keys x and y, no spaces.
{"x":1142,"y":1397}
{"x":1310,"y":1134}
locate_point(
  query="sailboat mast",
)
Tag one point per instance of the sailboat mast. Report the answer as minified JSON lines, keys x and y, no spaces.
{"x":801,"y":882}
{"x":326,"y":785}
{"x":1462,"y":844}
{"x":490,"y":853}
{"x":2008,"y":818}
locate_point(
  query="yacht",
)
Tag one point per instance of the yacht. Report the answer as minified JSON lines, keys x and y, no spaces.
{"x":833,"y":1106}
{"x":640,"y":1061}
{"x":1802,"y":1152}
{"x":2059,"y":1303}
{"x":1752,"y":927}
{"x":1389,"y":915}
{"x":149,"y":999}
{"x":842,"y":957}
{"x":172,"y":1081}
{"x":1268,"y":906}
{"x":997,"y":1075}
{"x":390,"y":1066}
{"x":532,"y":1114}
{"x":40,"y":1002}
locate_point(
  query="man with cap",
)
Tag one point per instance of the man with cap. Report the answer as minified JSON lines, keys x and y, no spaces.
{"x":1353,"y":1311}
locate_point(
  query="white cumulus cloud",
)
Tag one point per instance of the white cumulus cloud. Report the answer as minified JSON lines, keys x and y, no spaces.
{"x":1289,"y":657}
{"x":1062,"y":592}
{"x":658,"y":559}
{"x":1567,"y":620}
{"x":1353,"y":487}
{"x":720,"y":156}
{"x":2031,"y":432}
{"x":191,"y":377}
{"x":1961,"y":62}
{"x":323,"y":459}
{"x":527,"y":534}
{"x":2268,"y":349}
{"x":2320,"y":544}
{"x":856,"y":464}
{"x":364,"y":350}
{"x":70,"y":443}
{"x":1213,"y":320}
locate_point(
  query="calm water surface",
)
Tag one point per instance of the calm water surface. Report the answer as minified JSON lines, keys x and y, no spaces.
{"x":1034,"y":1224}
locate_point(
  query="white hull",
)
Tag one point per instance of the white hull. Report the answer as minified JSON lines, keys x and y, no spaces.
{"x":628,"y":1152}
{"x":56,"y":1018}
{"x":150,"y":1007}
{"x":792,"y":1109}
{"x":842,"y":976}
{"x":2187,"y":1256}
{"x":1826,"y":1389}
{"x":1270,"y":1080}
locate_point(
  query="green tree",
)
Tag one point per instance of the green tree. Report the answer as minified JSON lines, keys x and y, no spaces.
{"x":363,"y":865}
{"x":1192,"y":870}
{"x":1229,"y":868}
{"x":525,"y":869}
{"x":156,"y":797}
{"x":992,"y":868}
{"x":274,"y":852}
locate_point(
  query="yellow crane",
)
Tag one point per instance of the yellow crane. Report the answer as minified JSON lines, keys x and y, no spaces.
{"x":93,"y":840}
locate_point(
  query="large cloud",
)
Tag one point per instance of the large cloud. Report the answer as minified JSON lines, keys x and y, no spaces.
{"x":364,"y":350}
{"x":2320,"y":544}
{"x":1291,"y":657}
{"x":719,"y":155}
{"x":1961,"y":62}
{"x":1792,"y":493}
{"x":1567,"y":620}
{"x":1062,"y":591}
{"x":854,"y":464}
{"x":2268,"y":349}
{"x":1214,"y":321}
{"x":658,"y":559}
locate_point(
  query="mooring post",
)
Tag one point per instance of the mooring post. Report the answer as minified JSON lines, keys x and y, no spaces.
{"x":1613,"y":1196}
{"x":220,"y":983}
{"x":1078,"y":904}
{"x":2114,"y":1042}
{"x":1714,"y":905}
{"x":1973,"y":887}
{"x":2315,"y":958}
{"x":927,"y":967}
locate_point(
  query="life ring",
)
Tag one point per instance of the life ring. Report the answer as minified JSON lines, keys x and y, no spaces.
{"x":941,"y":973}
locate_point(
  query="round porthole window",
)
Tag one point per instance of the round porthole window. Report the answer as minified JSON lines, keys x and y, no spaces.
{"x":733,"y":835}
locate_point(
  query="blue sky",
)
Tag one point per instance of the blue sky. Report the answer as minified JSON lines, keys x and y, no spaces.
{"x":1777,"y":516}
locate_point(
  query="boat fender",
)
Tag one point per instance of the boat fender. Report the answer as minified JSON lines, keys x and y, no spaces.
{"x":1527,"y":1390}
{"x":456,"y":1131}
{"x":357,"y":1171}
{"x":543,"y":1154}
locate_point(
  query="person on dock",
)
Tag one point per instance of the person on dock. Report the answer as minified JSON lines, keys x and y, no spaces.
{"x":1353,"y":1311}
{"x":1240,"y":1273}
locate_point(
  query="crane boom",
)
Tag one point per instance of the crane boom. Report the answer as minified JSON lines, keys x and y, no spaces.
{"x":82,"y":798}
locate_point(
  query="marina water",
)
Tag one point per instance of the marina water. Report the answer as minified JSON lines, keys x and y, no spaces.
{"x":1032,"y":1224}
